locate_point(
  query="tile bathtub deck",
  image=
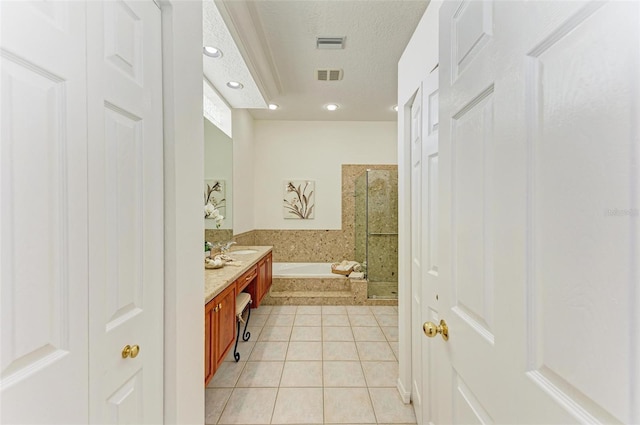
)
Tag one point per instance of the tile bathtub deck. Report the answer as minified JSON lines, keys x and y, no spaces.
{"x":312,"y":365}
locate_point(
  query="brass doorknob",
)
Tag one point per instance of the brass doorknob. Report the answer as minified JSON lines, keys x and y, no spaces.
{"x":134,"y":351}
{"x":130,"y":351}
{"x":431,"y":329}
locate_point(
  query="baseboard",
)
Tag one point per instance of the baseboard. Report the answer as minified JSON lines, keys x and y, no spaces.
{"x":404,"y":394}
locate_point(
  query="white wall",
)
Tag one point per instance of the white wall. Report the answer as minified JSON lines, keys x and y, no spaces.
{"x":313,"y":150}
{"x":243,"y":171}
{"x":184,"y":274}
{"x":218,"y":165}
{"x":419,"y":58}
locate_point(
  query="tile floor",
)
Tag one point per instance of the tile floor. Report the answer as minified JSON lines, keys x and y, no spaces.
{"x":312,"y":365}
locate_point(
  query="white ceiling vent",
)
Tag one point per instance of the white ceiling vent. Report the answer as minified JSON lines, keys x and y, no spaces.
{"x":330,"y":42}
{"x":329,"y":74}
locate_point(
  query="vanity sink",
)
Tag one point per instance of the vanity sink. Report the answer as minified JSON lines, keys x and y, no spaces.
{"x":243,"y":252}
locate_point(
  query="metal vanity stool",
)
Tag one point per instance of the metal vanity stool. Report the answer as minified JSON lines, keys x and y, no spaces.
{"x":243,"y":301}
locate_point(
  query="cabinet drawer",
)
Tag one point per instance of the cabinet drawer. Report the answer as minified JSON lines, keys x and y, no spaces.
{"x":248,"y":276}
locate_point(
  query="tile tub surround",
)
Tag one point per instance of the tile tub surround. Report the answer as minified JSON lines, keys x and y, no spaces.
{"x":345,"y":373}
{"x":337,"y":291}
{"x":216,"y":280}
{"x":312,"y":246}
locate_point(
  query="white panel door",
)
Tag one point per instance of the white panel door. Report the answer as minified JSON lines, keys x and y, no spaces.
{"x":125,"y":206}
{"x":430,"y":309}
{"x":417,"y":354}
{"x":539,"y":218}
{"x":43,"y":213}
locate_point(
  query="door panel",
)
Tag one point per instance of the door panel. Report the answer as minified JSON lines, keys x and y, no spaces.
{"x":43,"y":224}
{"x":125,"y":202}
{"x":417,"y":354}
{"x":539,"y":211}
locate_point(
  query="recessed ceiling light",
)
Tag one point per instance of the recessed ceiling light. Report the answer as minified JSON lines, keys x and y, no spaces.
{"x":331,"y":107}
{"x":234,"y":85}
{"x":212,"y":52}
{"x":273,"y":106}
{"x":395,"y":108}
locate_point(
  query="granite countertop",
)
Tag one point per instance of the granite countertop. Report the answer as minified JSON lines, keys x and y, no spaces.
{"x":216,"y":280}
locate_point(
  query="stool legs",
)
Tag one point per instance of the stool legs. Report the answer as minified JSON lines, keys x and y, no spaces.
{"x":236,"y":355}
{"x":245,"y":334}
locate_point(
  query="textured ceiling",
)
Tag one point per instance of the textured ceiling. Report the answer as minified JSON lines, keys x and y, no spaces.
{"x":231,"y":66}
{"x":277,"y":40}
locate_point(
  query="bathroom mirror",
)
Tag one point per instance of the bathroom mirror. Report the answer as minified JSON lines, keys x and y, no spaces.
{"x":218,"y":184}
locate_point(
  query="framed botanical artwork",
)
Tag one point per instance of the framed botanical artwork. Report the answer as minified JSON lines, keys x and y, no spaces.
{"x":214,"y":200}
{"x":299,"y":201}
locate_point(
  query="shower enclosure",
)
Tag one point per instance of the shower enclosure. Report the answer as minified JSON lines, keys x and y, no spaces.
{"x":376,"y":231}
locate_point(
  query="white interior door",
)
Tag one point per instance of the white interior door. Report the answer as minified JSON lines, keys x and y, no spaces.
{"x":416,"y":254}
{"x":430,"y":308}
{"x":125,"y":206}
{"x":539,"y":212}
{"x":43,"y":221}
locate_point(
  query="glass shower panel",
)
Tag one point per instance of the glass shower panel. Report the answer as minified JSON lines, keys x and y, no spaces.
{"x":382,"y":233}
{"x":361,"y":220}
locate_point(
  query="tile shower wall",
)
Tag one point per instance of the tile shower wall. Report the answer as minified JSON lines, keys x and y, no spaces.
{"x":318,"y":245}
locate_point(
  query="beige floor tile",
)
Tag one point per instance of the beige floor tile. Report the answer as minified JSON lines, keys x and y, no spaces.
{"x":227,"y":375}
{"x":306,"y":333}
{"x":280,"y":320}
{"x":337,"y":333}
{"x":262,"y":310}
{"x":381,"y":374}
{"x":284,"y":309}
{"x":244,"y":348}
{"x":299,"y":406}
{"x":384,"y":309}
{"x":332,"y":350}
{"x":308,"y":320}
{"x":309,"y":309}
{"x":258,"y":319}
{"x":363,"y":320}
{"x":302,"y":374}
{"x":375,"y":351}
{"x":387,"y":319}
{"x":214,"y":401}
{"x":254,"y":331}
{"x":344,"y":405}
{"x":395,"y":346}
{"x":391,"y":332}
{"x":334,"y":309}
{"x":389,"y":407}
{"x":358,"y":309}
{"x":304,"y":351}
{"x":275,"y":333}
{"x":249,"y":406}
{"x":269,"y":351}
{"x":335,"y":320}
{"x":343,"y":374}
{"x":261,"y":374}
{"x":368,"y":333}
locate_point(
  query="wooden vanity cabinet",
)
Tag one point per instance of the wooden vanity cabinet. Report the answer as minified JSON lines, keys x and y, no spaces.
{"x":220,"y":313}
{"x":220,"y":327}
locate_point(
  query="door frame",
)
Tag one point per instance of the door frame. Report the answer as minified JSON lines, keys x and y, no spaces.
{"x":418,"y":59}
{"x":183,"y":223}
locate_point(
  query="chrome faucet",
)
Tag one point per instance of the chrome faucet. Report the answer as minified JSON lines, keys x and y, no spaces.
{"x":225,"y":247}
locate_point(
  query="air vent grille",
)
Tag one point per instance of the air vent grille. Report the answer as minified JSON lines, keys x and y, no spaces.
{"x":330,"y":42}
{"x":329,"y":74}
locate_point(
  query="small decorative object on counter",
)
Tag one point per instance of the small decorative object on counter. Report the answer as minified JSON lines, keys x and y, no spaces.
{"x":213,"y":263}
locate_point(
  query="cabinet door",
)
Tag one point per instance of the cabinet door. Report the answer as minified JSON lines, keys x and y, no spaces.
{"x":269,"y":273}
{"x":209,"y":361}
{"x":262,"y":280}
{"x":225,"y":323}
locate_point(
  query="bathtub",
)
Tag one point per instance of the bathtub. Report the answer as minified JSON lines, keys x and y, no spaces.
{"x":303,"y":270}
